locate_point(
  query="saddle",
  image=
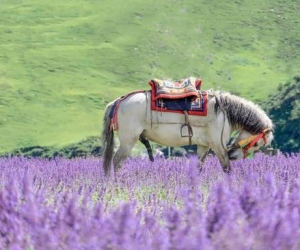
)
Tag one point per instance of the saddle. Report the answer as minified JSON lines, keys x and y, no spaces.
{"x":183,"y":96}
{"x":165,"y":89}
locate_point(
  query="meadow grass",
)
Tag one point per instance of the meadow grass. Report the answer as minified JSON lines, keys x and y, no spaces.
{"x":61,"y":62}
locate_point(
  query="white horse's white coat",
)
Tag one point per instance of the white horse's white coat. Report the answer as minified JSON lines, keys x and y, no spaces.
{"x":135,"y":118}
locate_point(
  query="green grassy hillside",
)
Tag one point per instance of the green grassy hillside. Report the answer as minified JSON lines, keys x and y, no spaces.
{"x":62,"y":61}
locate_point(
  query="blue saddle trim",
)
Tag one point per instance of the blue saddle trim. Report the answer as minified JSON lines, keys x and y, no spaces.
{"x":182,"y":104}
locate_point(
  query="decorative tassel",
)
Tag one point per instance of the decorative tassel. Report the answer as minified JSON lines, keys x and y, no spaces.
{"x":234,"y":135}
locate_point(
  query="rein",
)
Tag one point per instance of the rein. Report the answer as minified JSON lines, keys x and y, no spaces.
{"x":224,"y":113}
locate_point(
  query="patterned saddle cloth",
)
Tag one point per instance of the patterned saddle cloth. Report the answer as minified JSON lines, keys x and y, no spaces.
{"x":197,"y":106}
{"x":175,"y":89}
{"x":179,"y":96}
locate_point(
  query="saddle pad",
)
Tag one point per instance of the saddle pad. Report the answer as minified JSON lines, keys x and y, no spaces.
{"x":175,"y":90}
{"x":194,"y":107}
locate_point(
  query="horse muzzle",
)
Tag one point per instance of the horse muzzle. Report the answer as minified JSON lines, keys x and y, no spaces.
{"x":235,"y":154}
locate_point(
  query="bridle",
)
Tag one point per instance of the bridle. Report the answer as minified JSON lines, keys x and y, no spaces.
{"x":249,"y":142}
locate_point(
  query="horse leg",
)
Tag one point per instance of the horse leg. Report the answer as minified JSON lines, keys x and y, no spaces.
{"x":122,"y":153}
{"x":148,"y":147}
{"x":127,"y":142}
{"x":224,"y":160}
{"x":202,"y":152}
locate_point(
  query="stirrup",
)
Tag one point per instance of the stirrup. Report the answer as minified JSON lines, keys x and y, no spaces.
{"x":186,"y":126}
{"x":186,"y":130}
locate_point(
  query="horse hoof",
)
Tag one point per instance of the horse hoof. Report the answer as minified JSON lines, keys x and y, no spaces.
{"x":200,"y":169}
{"x":227,"y":170}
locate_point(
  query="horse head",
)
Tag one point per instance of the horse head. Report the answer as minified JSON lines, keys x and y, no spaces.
{"x":251,"y":128}
{"x":243,"y":144}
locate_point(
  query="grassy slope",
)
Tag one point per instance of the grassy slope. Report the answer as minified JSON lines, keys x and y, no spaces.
{"x":62,"y":61}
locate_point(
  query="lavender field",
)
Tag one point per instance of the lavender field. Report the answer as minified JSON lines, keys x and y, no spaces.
{"x":168,"y":204}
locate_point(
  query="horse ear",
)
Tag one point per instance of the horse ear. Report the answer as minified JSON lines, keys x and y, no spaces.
{"x":234,"y":135}
{"x":268,"y":130}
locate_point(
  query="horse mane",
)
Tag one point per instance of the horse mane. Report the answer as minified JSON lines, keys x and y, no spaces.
{"x":241,"y":112}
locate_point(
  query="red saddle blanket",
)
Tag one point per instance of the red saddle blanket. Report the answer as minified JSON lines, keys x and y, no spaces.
{"x":197,"y":106}
{"x":175,"y":89}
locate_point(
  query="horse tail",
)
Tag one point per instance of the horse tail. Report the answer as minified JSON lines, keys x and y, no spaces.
{"x":107,"y":139}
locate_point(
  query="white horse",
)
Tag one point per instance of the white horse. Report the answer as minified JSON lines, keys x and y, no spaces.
{"x":233,"y":128}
